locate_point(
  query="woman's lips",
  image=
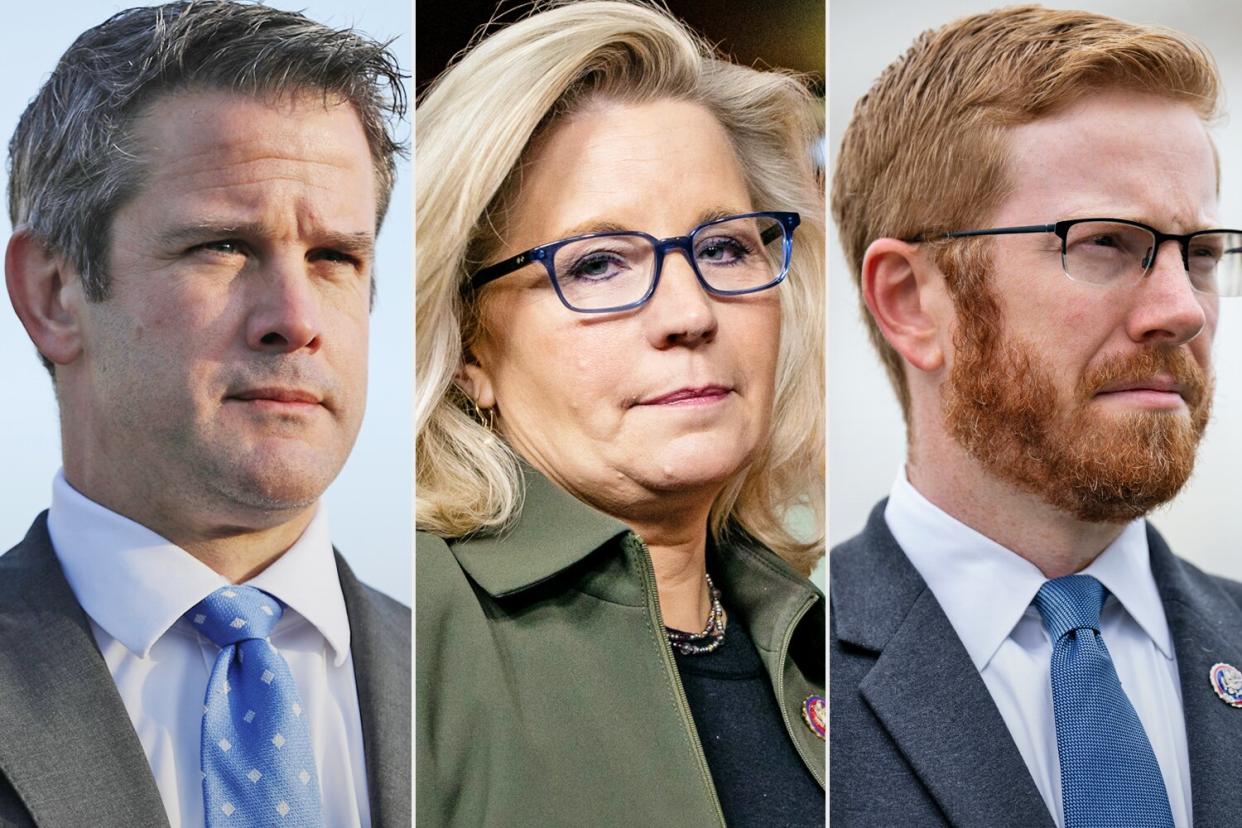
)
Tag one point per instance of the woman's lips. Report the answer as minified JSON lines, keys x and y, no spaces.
{"x":704,"y":395}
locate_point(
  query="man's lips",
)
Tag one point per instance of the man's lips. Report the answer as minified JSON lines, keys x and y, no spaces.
{"x":1161,"y":384}
{"x":278,"y":397}
{"x":1160,"y":391}
{"x":702,"y":395}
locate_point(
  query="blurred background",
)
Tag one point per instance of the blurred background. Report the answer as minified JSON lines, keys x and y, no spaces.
{"x":866,"y":444}
{"x":780,"y":33}
{"x":785,"y":34}
{"x":369,"y":505}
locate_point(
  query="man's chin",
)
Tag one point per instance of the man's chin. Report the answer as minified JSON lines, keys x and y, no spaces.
{"x":1113,"y":468}
{"x":276,"y":481}
{"x":276,"y":497}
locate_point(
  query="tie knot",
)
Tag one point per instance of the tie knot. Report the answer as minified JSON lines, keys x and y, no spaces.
{"x":235,"y":613}
{"x":1070,"y":603}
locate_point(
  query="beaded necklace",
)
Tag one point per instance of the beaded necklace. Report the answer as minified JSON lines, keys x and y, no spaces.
{"x":712,"y":635}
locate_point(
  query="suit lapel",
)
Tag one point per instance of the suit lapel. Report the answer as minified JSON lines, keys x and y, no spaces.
{"x":380,"y":645}
{"x":925,"y":691}
{"x":1207,"y":628}
{"x":66,"y":743}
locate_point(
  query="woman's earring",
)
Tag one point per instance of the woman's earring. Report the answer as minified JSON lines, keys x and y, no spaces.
{"x":485,"y":417}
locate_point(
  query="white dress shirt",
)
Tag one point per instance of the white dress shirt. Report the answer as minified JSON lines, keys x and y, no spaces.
{"x":135,"y":586}
{"x":986,"y":591}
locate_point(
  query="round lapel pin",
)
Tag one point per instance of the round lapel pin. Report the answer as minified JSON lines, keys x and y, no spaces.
{"x":814,"y":714}
{"x":1227,"y":682}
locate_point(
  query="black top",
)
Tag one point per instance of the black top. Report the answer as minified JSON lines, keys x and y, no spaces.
{"x":760,"y":779}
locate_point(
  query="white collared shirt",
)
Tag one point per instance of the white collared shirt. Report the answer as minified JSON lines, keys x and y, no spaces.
{"x":134,"y":585}
{"x":986,"y":591}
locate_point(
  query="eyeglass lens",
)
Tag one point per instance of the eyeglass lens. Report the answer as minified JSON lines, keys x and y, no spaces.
{"x":1100,"y":252}
{"x":734,"y":256}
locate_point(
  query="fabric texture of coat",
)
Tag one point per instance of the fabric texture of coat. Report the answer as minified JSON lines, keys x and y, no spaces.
{"x":69,"y":756}
{"x":915,"y":736}
{"x":546,"y":692}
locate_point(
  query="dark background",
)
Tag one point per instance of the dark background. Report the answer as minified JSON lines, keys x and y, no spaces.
{"x":778,"y":33}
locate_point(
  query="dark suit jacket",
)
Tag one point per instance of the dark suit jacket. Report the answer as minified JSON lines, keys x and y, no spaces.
{"x":69,"y":756}
{"x":915,"y":736}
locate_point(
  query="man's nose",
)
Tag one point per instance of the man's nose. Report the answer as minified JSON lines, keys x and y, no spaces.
{"x":1166,"y":308}
{"x":285,"y":312}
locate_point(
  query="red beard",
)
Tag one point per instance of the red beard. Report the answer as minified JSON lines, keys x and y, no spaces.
{"x":1001,"y":404}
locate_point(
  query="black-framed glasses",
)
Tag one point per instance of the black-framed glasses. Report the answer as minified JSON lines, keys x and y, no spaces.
{"x":1105,"y":251}
{"x":617,"y":271}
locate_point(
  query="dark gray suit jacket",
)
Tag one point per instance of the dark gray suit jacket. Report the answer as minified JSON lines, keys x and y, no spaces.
{"x":915,"y":736}
{"x":69,"y":756}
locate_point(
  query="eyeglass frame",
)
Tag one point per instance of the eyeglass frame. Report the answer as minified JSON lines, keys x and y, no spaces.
{"x":1061,"y":230}
{"x":546,"y":254}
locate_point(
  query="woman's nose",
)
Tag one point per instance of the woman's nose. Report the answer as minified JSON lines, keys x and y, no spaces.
{"x":680,"y":312}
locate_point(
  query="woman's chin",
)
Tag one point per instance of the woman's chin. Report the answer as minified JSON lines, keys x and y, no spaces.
{"x":695,"y":464}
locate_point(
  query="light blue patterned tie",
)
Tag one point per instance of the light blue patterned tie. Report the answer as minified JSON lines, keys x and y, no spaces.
{"x":258,"y":766}
{"x":1109,"y":775}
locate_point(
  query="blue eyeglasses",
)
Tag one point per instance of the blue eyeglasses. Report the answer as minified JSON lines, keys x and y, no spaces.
{"x":617,"y":271}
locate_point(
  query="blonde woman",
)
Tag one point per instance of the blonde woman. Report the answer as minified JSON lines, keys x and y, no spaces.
{"x":619,"y":401}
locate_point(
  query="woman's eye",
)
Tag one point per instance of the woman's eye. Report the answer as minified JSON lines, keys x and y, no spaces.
{"x":723,"y":250}
{"x":596,"y":267}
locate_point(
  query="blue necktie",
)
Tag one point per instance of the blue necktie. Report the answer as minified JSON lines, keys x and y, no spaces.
{"x":258,"y":766}
{"x":1109,"y":775}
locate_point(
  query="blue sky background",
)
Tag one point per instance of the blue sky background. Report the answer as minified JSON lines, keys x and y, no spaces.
{"x":369,"y":505}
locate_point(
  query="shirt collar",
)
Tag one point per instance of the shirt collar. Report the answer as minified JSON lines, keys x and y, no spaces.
{"x":306,"y":580}
{"x":1124,"y":568}
{"x":984,"y":588}
{"x":135,"y":584}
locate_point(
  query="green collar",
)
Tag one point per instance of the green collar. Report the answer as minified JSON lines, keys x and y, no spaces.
{"x":760,"y":584}
{"x":562,"y":528}
{"x":556,"y":530}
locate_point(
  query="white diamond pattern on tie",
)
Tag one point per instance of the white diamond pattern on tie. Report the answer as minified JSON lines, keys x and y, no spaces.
{"x":257,"y":761}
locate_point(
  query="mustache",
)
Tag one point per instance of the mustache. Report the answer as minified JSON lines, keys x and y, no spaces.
{"x":1168,"y":360}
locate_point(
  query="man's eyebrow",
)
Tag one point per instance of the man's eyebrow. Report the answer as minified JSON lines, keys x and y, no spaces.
{"x":360,"y":244}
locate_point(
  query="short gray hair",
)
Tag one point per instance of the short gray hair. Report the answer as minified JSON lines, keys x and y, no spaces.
{"x":73,"y":160}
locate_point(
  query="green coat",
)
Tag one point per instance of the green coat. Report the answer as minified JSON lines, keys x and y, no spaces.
{"x":546,"y":693}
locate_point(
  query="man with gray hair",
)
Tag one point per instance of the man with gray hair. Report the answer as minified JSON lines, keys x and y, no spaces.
{"x":195,"y":194}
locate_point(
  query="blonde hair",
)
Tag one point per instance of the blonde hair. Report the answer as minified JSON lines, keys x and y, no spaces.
{"x":926,"y":148}
{"x":473,"y":130}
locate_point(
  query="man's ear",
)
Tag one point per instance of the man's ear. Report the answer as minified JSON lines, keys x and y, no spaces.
{"x":902,"y":292}
{"x":46,"y":296}
{"x":475,"y":380}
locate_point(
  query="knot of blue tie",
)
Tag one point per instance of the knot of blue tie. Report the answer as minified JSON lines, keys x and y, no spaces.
{"x":1070,"y":603}
{"x":236,"y":613}
{"x":1109,"y":774}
